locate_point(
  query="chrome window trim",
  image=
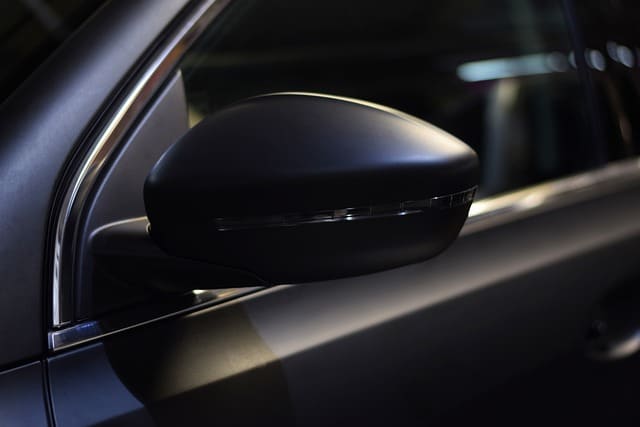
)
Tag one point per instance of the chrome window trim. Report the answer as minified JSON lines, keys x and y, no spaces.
{"x":484,"y":214}
{"x":507,"y":207}
{"x":92,"y":330}
{"x":145,"y":87}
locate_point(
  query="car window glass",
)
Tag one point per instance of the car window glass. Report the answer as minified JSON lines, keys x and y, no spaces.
{"x":31,"y":30}
{"x":497,"y":75}
{"x":612,"y":42}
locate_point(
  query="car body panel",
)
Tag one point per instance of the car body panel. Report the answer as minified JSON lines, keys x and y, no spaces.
{"x":86,"y":391}
{"x":405,"y":346}
{"x":63,"y":97}
{"x":22,"y":396}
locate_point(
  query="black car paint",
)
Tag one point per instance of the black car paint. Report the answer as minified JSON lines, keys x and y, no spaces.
{"x":407,"y":346}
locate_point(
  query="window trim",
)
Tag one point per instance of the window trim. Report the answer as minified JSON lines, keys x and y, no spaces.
{"x":143,"y":88}
{"x":484,"y":214}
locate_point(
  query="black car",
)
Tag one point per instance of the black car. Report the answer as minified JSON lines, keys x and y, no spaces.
{"x":218,"y":212}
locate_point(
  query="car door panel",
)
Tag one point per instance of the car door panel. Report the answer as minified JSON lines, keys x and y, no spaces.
{"x":86,"y":391}
{"x":429,"y":337}
{"x":409,"y":345}
{"x":22,"y":396}
{"x":206,"y":368}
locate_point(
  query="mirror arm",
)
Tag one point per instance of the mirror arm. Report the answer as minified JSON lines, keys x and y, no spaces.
{"x":124,"y":251}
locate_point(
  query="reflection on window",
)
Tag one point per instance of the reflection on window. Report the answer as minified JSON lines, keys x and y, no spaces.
{"x":519,"y":66}
{"x":498,"y":75}
{"x":611,"y":29}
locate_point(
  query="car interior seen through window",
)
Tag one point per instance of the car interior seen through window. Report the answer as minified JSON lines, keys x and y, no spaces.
{"x":613,"y":56}
{"x":500,"y":76}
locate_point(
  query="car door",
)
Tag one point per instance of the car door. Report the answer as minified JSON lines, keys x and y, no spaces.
{"x":511,"y":324}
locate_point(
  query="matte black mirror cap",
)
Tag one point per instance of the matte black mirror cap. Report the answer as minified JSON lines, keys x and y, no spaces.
{"x":239,"y":189}
{"x":289,"y":153}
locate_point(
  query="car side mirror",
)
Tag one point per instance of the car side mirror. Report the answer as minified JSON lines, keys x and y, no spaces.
{"x":291,"y":188}
{"x":296,"y":187}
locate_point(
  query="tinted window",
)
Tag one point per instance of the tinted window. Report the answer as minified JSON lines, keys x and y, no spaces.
{"x":613,"y":55}
{"x":496,"y":74}
{"x":31,"y":30}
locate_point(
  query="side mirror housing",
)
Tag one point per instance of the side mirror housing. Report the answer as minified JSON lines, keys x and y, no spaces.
{"x":298,"y":187}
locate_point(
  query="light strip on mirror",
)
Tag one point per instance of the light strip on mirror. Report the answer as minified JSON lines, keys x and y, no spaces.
{"x":409,"y":207}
